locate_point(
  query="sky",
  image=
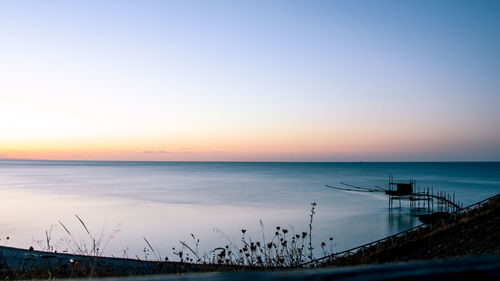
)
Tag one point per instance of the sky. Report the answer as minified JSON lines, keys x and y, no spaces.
{"x":250,"y":80}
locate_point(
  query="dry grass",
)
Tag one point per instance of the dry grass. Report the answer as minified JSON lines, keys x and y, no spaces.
{"x":284,"y":249}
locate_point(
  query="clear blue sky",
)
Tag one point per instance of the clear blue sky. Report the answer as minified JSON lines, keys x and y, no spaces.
{"x":250,"y":80}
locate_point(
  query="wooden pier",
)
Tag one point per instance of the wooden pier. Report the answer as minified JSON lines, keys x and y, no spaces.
{"x":426,"y":198}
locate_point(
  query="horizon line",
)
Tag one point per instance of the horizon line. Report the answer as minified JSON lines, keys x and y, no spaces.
{"x":249,"y":161}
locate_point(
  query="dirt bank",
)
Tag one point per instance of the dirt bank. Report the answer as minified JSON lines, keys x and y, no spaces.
{"x":473,"y":234}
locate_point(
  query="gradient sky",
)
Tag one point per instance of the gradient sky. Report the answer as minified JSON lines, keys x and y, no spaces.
{"x":250,"y":80}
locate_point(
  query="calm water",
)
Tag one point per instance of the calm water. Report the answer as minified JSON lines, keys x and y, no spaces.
{"x":167,"y":201}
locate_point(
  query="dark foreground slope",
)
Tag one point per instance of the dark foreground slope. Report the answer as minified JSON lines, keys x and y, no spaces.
{"x":475,"y":233}
{"x":462,"y":269}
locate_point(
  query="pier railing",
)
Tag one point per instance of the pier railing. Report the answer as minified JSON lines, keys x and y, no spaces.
{"x":405,"y":235}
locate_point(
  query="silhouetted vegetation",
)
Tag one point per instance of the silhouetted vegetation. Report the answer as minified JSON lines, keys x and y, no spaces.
{"x":284,"y":249}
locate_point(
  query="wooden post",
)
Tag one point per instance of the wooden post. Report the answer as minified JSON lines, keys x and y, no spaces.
{"x":428,"y":202}
{"x":432,"y":194}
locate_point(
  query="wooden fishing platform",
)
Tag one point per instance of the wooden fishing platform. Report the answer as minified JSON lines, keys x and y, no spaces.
{"x":418,"y":198}
{"x":424,"y":198}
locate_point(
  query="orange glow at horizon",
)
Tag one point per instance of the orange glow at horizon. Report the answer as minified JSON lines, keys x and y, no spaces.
{"x":266,"y":147}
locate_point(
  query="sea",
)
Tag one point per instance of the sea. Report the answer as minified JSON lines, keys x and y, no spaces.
{"x":146,"y":209}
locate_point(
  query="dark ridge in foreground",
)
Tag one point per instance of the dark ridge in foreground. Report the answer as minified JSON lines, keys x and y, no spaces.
{"x":22,"y":264}
{"x":474,"y":233}
{"x":463,"y":269}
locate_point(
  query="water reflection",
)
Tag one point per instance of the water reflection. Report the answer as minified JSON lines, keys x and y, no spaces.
{"x":400,"y":219}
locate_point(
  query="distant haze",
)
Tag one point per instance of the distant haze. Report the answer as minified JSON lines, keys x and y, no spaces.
{"x":250,"y":80}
